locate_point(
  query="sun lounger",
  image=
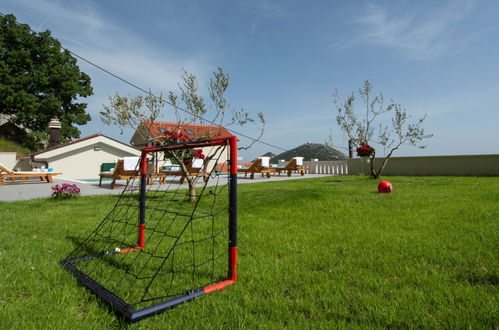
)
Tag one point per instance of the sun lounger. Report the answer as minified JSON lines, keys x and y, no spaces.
{"x":258,"y":166}
{"x":295,"y":165}
{"x":6,"y":173}
{"x":118,"y":173}
{"x":191,"y":170}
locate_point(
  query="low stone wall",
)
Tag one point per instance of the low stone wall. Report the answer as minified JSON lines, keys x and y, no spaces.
{"x":464,"y":165}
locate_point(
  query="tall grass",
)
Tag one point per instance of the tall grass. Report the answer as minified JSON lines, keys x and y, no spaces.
{"x":9,"y":146}
{"x":318,"y":253}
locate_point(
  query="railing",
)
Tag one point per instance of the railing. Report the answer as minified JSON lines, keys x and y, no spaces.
{"x":334,"y":167}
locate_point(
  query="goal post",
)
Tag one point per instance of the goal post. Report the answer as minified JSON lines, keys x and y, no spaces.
{"x":156,"y":248}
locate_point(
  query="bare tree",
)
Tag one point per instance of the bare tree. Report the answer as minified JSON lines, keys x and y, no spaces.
{"x":189,"y":107}
{"x":360,"y":127}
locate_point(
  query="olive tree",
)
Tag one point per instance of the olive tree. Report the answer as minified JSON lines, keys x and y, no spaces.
{"x":189,"y":107}
{"x":364,"y":127}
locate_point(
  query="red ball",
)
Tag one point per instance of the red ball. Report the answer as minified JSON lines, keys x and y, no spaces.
{"x":385,"y":187}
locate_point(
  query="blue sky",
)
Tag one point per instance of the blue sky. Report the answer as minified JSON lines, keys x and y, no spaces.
{"x":286,"y":58}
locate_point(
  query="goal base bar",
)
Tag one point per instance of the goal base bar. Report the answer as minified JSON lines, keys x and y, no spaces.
{"x":128,"y":311}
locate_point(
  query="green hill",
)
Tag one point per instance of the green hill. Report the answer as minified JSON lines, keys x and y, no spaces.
{"x":9,"y":146}
{"x":269,"y":154}
{"x":310,"y":151}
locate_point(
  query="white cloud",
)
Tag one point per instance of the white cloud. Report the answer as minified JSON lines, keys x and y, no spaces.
{"x":423,"y":34}
{"x":263,"y":10}
{"x":81,"y":28}
{"x":142,"y":70}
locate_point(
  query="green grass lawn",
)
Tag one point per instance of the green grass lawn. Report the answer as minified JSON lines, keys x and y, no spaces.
{"x":316,"y":253}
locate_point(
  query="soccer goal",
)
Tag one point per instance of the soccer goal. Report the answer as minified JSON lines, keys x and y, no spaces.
{"x":158,"y":247}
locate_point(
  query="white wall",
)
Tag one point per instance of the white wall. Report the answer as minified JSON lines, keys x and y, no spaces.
{"x":223,"y":152}
{"x":8,"y":159}
{"x":464,"y":165}
{"x":84,"y":163}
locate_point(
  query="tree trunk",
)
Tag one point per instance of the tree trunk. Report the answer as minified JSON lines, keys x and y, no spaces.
{"x":192,"y":191}
{"x":375,"y":174}
{"x":191,"y":181}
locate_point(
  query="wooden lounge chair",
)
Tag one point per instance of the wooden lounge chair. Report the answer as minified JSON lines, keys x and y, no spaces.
{"x":118,"y":173}
{"x":5,"y":173}
{"x":291,"y":167}
{"x":192,"y":172}
{"x":256,"y":167}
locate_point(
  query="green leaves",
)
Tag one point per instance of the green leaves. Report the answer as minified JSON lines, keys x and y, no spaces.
{"x":127,"y":111}
{"x":39,"y":80}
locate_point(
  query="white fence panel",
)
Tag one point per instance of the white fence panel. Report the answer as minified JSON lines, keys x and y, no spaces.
{"x":335,"y":167}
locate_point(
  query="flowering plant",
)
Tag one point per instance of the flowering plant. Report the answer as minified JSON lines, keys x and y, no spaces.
{"x":65,"y":191}
{"x":172,"y":137}
{"x":175,"y":136}
{"x":365,"y":150}
{"x":196,"y":154}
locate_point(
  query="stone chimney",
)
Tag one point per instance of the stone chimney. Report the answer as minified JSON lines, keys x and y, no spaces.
{"x":55,"y":126}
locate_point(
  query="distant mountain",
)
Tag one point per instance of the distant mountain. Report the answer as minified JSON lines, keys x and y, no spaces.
{"x":269,"y":154}
{"x":310,"y":151}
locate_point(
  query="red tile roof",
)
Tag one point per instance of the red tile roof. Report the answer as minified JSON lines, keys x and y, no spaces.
{"x":193,"y":131}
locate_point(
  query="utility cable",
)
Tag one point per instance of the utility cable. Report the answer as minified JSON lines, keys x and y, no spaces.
{"x":143,"y":90}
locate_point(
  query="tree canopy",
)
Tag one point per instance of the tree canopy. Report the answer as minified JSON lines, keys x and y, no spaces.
{"x":39,"y":80}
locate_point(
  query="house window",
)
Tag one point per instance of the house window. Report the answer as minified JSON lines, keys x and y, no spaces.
{"x":188,"y":131}
{"x":162,"y":130}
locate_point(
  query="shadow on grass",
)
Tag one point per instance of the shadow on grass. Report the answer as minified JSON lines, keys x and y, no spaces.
{"x":479,"y":279}
{"x":333,"y":181}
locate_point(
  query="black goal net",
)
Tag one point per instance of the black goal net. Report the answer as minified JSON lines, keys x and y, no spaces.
{"x":171,"y":236}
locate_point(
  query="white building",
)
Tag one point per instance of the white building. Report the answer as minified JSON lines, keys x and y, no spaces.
{"x":82,"y":158}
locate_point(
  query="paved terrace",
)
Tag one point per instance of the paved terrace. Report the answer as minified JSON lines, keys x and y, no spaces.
{"x":35,"y":189}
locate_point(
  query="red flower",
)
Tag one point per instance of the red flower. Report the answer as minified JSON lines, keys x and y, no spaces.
{"x":198,"y":153}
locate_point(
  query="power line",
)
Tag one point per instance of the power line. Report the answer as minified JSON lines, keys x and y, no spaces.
{"x":143,"y":90}
{"x":167,"y":102}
